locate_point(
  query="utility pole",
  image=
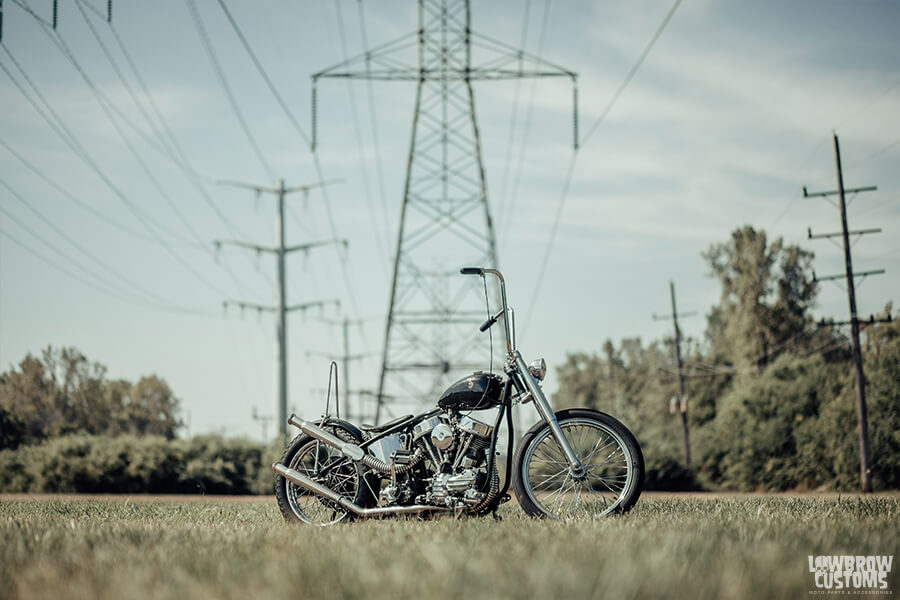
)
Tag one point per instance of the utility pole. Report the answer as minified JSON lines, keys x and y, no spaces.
{"x":610,"y":380}
{"x":431,"y":332}
{"x":865,"y":470}
{"x":682,"y":399}
{"x":282,"y":308}
{"x":264,"y":421}
{"x":345,"y":359}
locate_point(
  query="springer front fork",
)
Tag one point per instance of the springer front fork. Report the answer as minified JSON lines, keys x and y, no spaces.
{"x":516,"y":367}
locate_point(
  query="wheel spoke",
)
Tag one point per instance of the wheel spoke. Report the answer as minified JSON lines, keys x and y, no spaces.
{"x":329,"y":467}
{"x":552,"y":486}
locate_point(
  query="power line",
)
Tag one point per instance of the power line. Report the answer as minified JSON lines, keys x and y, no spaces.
{"x":566,"y":184}
{"x":99,"y":281}
{"x":342,"y":260}
{"x":504,"y":187}
{"x":508,"y":198}
{"x":539,"y":281}
{"x":632,"y":72}
{"x":101,"y":99}
{"x":175,"y":153}
{"x":103,"y":265}
{"x":72,"y":141}
{"x":95,"y":286}
{"x":223,"y":81}
{"x":875,"y":154}
{"x":71,"y":57}
{"x":105,"y":105}
{"x":351,"y":95}
{"x":79,"y":4}
{"x":183,"y":163}
{"x":802,"y":166}
{"x":66,"y":135}
{"x":269,"y":83}
{"x":80,"y":203}
{"x":262,"y":72}
{"x":373,"y":120}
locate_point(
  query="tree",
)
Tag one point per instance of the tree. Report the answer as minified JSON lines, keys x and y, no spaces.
{"x":150,"y":408}
{"x":63,"y":392}
{"x":12,"y":430}
{"x":31,"y":395}
{"x":767,"y":293}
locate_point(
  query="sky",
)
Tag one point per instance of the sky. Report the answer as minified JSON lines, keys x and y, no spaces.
{"x":112,"y":201}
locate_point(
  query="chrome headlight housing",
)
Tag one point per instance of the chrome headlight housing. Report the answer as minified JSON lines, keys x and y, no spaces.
{"x":538,"y":369}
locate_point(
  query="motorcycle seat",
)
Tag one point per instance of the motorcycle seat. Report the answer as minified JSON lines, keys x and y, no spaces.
{"x":385,"y":426}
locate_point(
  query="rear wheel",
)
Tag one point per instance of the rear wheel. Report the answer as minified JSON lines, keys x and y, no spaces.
{"x":328,"y":466}
{"x":613,"y":468}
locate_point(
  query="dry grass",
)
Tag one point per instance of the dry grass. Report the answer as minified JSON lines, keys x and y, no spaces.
{"x":731,"y":547}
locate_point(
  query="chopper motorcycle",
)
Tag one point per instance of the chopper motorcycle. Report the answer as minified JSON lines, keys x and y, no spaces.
{"x":575,"y":463}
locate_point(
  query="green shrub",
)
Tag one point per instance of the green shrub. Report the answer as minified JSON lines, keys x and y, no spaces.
{"x":125,"y":464}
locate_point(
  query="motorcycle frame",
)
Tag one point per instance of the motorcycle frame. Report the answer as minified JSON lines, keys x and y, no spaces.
{"x":526,"y":385}
{"x":520,"y":386}
{"x":505,"y":410}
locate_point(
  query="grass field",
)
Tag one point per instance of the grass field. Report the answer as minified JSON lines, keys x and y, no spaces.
{"x":726,"y":547}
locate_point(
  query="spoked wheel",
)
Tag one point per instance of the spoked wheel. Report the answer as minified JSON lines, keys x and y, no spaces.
{"x":325,"y":465}
{"x":613,"y":474}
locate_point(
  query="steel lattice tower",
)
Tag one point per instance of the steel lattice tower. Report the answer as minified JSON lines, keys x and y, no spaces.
{"x":432,"y":334}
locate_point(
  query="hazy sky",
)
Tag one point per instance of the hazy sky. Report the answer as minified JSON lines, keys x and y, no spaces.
{"x":729,"y":116}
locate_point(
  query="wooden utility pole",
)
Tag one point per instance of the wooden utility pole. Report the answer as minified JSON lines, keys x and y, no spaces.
{"x":611,"y":375}
{"x":682,"y":399}
{"x":865,"y":469}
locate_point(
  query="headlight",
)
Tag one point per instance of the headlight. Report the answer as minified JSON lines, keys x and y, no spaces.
{"x":538,"y":369}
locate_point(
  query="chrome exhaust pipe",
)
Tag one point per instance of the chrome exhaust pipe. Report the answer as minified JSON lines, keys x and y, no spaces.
{"x":317,"y":488}
{"x":351,"y":451}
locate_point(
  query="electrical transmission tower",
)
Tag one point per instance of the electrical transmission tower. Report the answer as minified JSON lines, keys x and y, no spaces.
{"x":431,"y":335}
{"x":865,"y":469}
{"x":282,"y":308}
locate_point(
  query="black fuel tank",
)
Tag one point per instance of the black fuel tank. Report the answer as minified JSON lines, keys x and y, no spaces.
{"x":474,"y":392}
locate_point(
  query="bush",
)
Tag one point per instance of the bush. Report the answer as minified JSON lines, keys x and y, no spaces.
{"x":125,"y":464}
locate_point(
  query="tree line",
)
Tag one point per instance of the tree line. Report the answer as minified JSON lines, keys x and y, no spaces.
{"x":63,"y":392}
{"x":770,"y":401}
{"x":65,"y":427}
{"x":770,"y":392}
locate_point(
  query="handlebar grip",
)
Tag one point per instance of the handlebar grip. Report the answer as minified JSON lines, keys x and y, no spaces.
{"x":472,"y":271}
{"x":487,"y":324}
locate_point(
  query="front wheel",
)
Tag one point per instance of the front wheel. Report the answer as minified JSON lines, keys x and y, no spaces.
{"x":613,"y":474}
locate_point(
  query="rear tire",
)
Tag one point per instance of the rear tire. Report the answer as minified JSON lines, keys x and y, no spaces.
{"x":327,"y":466}
{"x":613,"y":461}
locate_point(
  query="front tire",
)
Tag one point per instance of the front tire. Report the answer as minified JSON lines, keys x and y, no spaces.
{"x":614,"y":468}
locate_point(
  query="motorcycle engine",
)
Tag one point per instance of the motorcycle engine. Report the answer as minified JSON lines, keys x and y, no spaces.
{"x":458,"y":447}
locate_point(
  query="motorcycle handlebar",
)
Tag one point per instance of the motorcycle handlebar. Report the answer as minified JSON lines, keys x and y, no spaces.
{"x":505,"y":307}
{"x":487,"y":324}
